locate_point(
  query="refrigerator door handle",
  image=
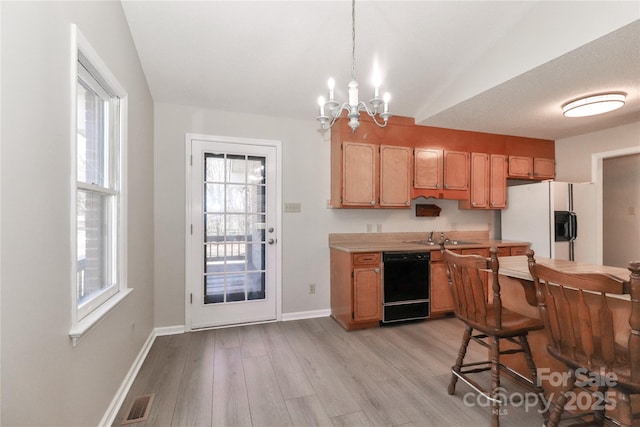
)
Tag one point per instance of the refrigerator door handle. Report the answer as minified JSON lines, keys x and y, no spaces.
{"x":573,"y":226}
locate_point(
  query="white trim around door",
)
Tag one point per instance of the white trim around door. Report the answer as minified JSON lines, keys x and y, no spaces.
{"x":193,"y":319}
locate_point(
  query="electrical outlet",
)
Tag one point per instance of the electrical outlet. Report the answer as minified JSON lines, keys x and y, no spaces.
{"x":312,"y":288}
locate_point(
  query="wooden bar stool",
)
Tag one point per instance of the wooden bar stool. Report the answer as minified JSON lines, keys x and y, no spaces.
{"x":581,"y":333}
{"x":488,"y":324}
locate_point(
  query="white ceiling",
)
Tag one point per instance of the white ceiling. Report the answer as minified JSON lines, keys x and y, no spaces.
{"x":503,"y":67}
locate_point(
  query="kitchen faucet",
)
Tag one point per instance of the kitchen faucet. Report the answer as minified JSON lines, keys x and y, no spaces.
{"x":431,"y":236}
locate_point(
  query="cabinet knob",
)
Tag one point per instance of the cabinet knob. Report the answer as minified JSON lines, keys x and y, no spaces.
{"x":377,"y":270}
{"x":438,"y":186}
{"x":408,"y":203}
{"x":446,"y":186}
{"x":373,"y":202}
{"x":473,"y":203}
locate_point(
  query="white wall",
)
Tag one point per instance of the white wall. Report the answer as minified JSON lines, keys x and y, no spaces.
{"x":45,"y":380}
{"x":306,"y":179}
{"x":573,"y":155}
{"x":574,"y":159}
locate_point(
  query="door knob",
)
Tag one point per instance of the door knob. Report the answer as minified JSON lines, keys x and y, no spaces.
{"x":271,"y":241}
{"x":270,"y":230}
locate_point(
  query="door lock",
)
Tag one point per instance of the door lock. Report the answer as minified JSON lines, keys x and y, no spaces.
{"x":271,"y":241}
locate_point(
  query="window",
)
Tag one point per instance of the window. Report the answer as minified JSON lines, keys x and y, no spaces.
{"x":98,"y":146}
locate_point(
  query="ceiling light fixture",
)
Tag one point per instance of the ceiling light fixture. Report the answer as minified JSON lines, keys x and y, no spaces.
{"x":594,"y":104}
{"x":331,"y":110}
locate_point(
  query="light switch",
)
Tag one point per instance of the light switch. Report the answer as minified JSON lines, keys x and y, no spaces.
{"x":293,"y":207}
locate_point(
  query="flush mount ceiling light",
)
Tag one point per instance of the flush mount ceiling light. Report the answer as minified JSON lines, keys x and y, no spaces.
{"x":595,"y":104}
{"x":331,"y":110}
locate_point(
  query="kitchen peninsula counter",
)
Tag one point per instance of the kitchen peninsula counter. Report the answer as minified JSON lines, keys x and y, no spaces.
{"x":518,"y":294}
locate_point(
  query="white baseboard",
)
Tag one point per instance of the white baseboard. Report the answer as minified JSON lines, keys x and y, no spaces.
{"x":170,"y":330}
{"x":305,"y":315}
{"x":121,"y":394}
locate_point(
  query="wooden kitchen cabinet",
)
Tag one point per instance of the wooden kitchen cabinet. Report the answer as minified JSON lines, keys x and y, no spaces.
{"x":518,"y":250}
{"x":395,"y":176}
{"x":359,"y":174}
{"x":356,"y":290}
{"x":441,"y":299}
{"x":441,"y":174}
{"x":531,"y":167}
{"x":544,"y":168}
{"x":372,"y":176}
{"x":488,"y":187}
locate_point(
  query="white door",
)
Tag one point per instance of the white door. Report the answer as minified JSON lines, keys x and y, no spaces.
{"x":232,"y":257}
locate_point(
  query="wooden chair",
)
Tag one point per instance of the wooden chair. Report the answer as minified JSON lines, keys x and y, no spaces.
{"x":488,"y":324}
{"x":581,"y":334}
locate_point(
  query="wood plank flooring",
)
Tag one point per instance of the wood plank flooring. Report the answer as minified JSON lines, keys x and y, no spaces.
{"x":313,"y":373}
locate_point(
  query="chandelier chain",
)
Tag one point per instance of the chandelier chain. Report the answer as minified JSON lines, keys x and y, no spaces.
{"x":353,"y":39}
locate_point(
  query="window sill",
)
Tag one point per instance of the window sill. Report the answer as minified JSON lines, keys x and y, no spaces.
{"x":85,"y":325}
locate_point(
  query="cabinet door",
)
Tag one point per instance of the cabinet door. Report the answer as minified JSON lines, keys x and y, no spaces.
{"x":441,"y":300}
{"x":479,"y":194}
{"x":498,"y":185}
{"x":428,"y":168}
{"x":520,"y":167}
{"x":367,"y":304}
{"x":359,"y":174}
{"x":544,"y":168}
{"x":518,"y":250}
{"x":395,"y":176}
{"x":456,"y":170}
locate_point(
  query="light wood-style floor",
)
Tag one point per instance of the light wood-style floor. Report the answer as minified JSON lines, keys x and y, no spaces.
{"x":313,"y":373}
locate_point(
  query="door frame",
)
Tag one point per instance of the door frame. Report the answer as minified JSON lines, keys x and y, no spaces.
{"x":597,"y":165}
{"x":189,"y":273}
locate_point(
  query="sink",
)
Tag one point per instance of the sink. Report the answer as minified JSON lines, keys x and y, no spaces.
{"x":422,"y":242}
{"x":459,"y":242}
{"x":448,"y":242}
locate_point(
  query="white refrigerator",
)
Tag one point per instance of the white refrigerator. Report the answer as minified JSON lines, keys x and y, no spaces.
{"x":558,"y":218}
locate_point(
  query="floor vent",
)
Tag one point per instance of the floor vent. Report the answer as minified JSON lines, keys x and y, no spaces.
{"x":139,"y":409}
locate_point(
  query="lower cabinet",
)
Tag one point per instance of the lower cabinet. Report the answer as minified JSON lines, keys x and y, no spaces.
{"x":441,"y":299}
{"x":356,"y":289}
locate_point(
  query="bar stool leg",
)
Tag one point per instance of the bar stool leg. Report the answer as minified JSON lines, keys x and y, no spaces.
{"x":495,"y":381}
{"x":558,"y":405}
{"x":524,"y":343}
{"x":468,"y":330}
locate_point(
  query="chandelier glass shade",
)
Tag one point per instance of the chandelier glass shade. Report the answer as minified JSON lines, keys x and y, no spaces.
{"x":330,"y":109}
{"x":595,"y":104}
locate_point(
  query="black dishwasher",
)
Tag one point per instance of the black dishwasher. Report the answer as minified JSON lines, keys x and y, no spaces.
{"x":405,"y":286}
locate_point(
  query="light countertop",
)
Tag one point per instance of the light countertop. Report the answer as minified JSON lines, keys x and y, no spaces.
{"x":517,"y":267}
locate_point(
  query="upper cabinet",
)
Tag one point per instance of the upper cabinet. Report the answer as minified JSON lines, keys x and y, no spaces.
{"x":544,"y":168}
{"x":441,"y":174}
{"x":488,"y":182}
{"x":531,"y":167}
{"x":395,"y":176}
{"x":372,"y":176}
{"x":359,"y":174}
{"x":387,"y":167}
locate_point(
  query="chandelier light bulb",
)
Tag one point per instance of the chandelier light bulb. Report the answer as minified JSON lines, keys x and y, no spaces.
{"x":321,"y":104}
{"x":332,"y":84}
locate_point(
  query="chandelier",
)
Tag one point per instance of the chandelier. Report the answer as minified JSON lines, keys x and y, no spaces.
{"x":331,"y":109}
